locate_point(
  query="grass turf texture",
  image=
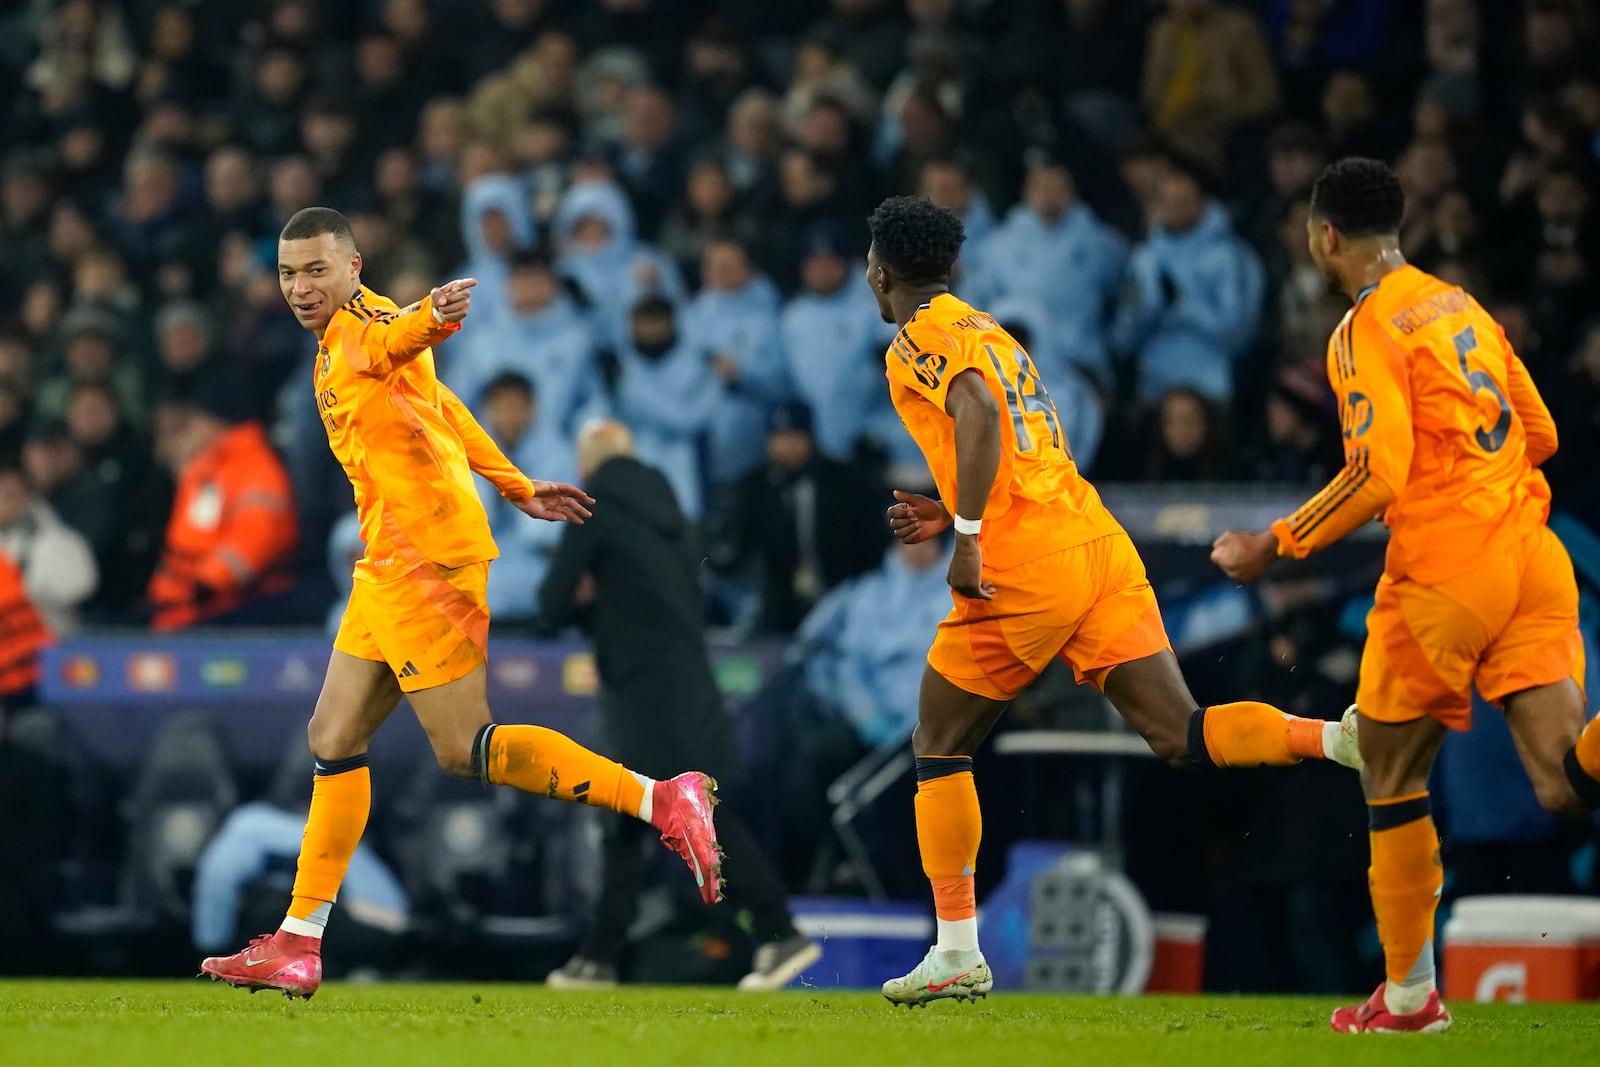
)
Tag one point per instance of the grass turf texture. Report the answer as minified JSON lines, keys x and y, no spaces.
{"x":132,"y":1024}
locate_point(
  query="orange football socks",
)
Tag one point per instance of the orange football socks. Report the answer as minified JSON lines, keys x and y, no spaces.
{"x":341,"y":796}
{"x":536,"y":760}
{"x":1251,"y":734}
{"x":1405,"y":879}
{"x":949,"y":827}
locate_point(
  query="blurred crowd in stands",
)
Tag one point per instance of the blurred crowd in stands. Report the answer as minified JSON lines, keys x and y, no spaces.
{"x":665,"y":203}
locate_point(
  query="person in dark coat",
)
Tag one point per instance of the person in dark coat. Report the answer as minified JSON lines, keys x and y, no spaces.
{"x":629,"y":576}
{"x":801,"y":523}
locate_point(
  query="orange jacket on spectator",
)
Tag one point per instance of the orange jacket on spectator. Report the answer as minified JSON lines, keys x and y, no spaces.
{"x":231,"y":534}
{"x":22,"y":632}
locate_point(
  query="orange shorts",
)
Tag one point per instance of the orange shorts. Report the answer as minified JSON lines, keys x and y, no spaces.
{"x":1091,"y":605}
{"x":430,"y":626}
{"x":1510,"y":625}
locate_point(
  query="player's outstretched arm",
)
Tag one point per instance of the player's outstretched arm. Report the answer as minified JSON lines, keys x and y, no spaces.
{"x":483,"y":455}
{"x":1375,"y":409}
{"x":386,"y":341}
{"x":977,"y":417}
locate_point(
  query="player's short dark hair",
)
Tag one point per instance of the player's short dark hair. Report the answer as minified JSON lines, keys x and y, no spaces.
{"x":510,"y":380}
{"x":916,"y":239}
{"x":316,"y":221}
{"x":1360,"y":197}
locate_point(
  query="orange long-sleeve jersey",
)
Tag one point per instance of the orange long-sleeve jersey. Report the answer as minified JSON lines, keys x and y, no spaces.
{"x":1039,"y":503}
{"x":1443,"y":432}
{"x":407,"y":444}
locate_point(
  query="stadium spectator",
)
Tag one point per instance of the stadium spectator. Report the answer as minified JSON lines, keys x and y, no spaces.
{"x":710,"y":211}
{"x":1207,"y":71}
{"x":801,"y":523}
{"x":1195,"y":294}
{"x":232,"y":532}
{"x":752,"y":143}
{"x":597,"y":249}
{"x":514,"y":417}
{"x":1302,"y":447}
{"x":665,"y":393}
{"x":1188,"y":443}
{"x":495,"y":223}
{"x":541,"y":334}
{"x":833,"y":345}
{"x":650,"y":156}
{"x":92,"y":353}
{"x":1053,"y":249}
{"x":57,"y":569}
{"x":115,"y":496}
{"x":735,"y":316}
{"x":947,"y":183}
{"x":866,"y":642}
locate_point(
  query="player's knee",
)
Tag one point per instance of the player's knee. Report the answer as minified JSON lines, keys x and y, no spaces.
{"x":331,"y":739}
{"x":454,"y":755}
{"x":1171,"y":747}
{"x":1556,"y":796}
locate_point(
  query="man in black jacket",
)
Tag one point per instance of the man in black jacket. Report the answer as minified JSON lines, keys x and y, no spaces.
{"x":803,"y":522}
{"x":629,"y":573}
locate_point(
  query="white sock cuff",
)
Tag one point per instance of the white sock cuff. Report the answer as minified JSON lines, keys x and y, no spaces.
{"x":957,"y":935}
{"x":647,"y":803}
{"x":311,"y":926}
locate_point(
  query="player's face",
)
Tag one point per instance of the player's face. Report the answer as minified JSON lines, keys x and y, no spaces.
{"x":877,"y":281}
{"x":317,"y":276}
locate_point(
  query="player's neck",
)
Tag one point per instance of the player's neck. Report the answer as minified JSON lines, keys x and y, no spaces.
{"x":1371,"y":268}
{"x":908,"y":302}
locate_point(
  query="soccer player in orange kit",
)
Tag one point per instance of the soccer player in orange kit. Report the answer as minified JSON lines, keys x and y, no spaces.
{"x":418,"y":620}
{"x":1444,"y":433}
{"x":1041,"y":571}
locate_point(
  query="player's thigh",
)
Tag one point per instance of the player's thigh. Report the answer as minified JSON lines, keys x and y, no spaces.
{"x":1397,"y":757}
{"x":357,"y":696}
{"x":1540,"y":644}
{"x":1152,"y":696}
{"x":451,"y":715}
{"x":1545,"y":722}
{"x":995,"y":648}
{"x":952,"y":721}
{"x":1423,"y":647}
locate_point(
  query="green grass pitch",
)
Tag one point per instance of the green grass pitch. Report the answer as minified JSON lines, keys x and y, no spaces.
{"x":134,"y":1024}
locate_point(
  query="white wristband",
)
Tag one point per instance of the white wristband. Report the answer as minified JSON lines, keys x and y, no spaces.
{"x":970,"y":527}
{"x":436,"y":316}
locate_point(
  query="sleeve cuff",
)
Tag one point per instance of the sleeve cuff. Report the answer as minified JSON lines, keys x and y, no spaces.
{"x":1288,"y":547}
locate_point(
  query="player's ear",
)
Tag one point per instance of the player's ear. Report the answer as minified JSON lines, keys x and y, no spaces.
{"x":355,"y":264}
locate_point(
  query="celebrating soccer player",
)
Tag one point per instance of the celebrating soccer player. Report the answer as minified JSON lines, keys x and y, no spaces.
{"x":1444,"y":433}
{"x":418,"y":619}
{"x":1041,"y":571}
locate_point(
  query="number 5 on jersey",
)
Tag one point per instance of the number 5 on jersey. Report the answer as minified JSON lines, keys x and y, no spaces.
{"x":1481,"y":382}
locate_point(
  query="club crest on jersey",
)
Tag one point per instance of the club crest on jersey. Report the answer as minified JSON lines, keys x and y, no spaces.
{"x":1356,"y":418}
{"x":929,"y":368}
{"x":322,"y":361}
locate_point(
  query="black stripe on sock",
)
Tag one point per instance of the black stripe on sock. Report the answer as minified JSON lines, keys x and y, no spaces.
{"x":1199,"y":755}
{"x":1587,"y":788}
{"x":1389,"y":816}
{"x":931,"y":767}
{"x":328,"y":768}
{"x":480,"y":753}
